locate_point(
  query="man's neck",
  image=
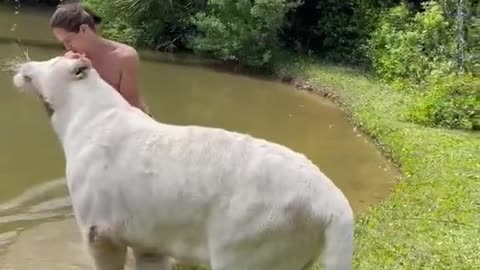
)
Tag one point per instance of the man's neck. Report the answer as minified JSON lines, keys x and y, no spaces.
{"x":97,"y":48}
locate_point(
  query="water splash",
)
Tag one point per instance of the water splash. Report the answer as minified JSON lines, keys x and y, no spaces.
{"x":35,"y":193}
{"x":14,"y":64}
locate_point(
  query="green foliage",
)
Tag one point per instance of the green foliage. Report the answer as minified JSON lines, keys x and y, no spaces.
{"x":406,"y":49}
{"x":336,"y":30}
{"x":452,"y":101}
{"x":242,"y":31}
{"x":420,"y":52}
{"x":159,"y":24}
{"x":342,"y":29}
{"x":114,"y":27}
{"x":473,"y":37}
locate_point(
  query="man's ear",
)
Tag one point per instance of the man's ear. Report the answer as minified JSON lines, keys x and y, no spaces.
{"x":83,"y":28}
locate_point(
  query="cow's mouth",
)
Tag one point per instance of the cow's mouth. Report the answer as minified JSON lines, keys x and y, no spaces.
{"x":15,"y":67}
{"x":48,"y":107}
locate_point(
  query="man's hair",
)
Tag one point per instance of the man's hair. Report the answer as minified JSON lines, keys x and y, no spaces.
{"x":70,"y":16}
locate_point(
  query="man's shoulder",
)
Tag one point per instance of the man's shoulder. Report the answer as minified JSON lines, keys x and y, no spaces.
{"x":125,"y":52}
{"x":128,"y":52}
{"x":127,"y":57}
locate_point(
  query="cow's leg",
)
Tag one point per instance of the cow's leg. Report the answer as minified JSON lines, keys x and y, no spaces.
{"x":106,"y":254}
{"x":151,"y":261}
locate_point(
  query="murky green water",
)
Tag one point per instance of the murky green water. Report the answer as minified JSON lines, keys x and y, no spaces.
{"x":33,"y":191}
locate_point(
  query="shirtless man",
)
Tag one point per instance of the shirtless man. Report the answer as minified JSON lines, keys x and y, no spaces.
{"x":118,"y":64}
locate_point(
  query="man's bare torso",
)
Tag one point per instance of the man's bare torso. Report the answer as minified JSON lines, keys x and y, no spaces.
{"x":107,"y":62}
{"x":117,"y":64}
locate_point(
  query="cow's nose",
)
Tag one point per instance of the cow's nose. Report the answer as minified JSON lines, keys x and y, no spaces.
{"x":26,"y":71}
{"x":26,"y":78}
{"x":23,"y":75}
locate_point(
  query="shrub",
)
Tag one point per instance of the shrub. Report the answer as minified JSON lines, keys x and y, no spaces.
{"x":336,"y":30}
{"x":114,"y":24}
{"x":406,"y":49}
{"x":158,"y":24}
{"x":452,"y":102}
{"x":242,"y":31}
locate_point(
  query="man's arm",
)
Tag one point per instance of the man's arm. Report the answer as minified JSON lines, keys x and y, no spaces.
{"x":129,"y":81}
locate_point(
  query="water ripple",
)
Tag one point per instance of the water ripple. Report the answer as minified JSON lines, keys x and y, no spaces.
{"x":40,"y":203}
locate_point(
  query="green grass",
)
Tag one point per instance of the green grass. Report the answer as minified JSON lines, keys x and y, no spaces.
{"x":431,"y":219}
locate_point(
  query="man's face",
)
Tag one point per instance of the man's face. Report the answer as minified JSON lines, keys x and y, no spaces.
{"x":72,"y":41}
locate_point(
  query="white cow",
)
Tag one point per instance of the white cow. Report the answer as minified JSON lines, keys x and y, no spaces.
{"x":204,"y":196}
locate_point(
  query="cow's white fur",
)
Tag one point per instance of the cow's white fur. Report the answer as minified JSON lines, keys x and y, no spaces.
{"x":204,"y":196}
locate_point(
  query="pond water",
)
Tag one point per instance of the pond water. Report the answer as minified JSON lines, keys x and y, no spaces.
{"x":36,"y":225}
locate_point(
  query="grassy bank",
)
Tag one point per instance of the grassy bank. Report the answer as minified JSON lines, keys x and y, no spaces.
{"x":430,"y":221}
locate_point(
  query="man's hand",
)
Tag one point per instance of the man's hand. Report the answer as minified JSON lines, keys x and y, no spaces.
{"x":73,"y":55}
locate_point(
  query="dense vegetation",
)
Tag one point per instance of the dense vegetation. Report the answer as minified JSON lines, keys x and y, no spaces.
{"x":429,"y":54}
{"x":427,"y":48}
